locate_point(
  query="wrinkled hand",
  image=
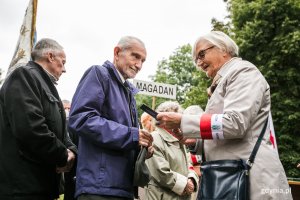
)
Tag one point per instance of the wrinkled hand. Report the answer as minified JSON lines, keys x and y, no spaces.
{"x":182,"y":139}
{"x":189,"y":188}
{"x":69,"y":165}
{"x":190,"y":142}
{"x":145,"y":138}
{"x":178,"y":134}
{"x":150,"y":152}
{"x":169,"y":120}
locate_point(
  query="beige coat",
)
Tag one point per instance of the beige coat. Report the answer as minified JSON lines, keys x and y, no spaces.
{"x":169,"y":168}
{"x":242,"y":103}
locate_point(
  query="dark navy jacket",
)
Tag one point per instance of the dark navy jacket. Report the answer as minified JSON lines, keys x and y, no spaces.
{"x":104,"y":115}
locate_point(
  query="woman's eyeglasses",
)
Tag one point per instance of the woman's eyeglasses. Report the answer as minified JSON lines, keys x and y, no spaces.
{"x":201,"y":54}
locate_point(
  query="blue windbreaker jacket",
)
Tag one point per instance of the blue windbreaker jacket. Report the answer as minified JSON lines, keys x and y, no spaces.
{"x":104,"y":115}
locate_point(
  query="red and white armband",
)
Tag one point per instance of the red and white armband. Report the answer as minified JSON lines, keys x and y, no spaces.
{"x":208,"y":126}
{"x":211,"y":126}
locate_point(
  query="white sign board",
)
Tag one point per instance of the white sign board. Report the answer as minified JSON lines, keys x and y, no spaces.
{"x":155,"y":89}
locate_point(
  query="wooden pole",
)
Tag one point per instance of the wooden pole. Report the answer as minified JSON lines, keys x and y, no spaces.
{"x":33,"y":25}
{"x":153,"y":102}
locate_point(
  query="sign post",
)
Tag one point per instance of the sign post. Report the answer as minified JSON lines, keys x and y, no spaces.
{"x":155,"y":90}
{"x":153,"y":102}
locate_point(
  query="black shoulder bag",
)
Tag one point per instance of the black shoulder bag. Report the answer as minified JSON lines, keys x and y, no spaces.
{"x":227,"y":179}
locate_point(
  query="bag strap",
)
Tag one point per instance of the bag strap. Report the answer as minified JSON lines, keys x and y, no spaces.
{"x":251,"y":159}
{"x":254,"y":151}
{"x":203,"y":154}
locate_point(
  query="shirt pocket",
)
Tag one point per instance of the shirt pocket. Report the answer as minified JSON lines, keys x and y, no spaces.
{"x":52,"y":108}
{"x":52,"y":98}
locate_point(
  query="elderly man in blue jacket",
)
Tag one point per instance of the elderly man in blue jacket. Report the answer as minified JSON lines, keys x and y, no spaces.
{"x":104,"y":116}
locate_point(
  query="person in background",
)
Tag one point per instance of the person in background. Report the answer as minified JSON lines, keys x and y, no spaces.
{"x":147,"y":124}
{"x":146,"y":121}
{"x":104,"y":115}
{"x":172,"y":175}
{"x":34,"y":146}
{"x":193,"y":144}
{"x":70,"y":177}
{"x":238,"y":108}
{"x":67,"y":107}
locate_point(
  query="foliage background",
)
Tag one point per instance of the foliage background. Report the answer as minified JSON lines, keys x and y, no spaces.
{"x":268,"y":35}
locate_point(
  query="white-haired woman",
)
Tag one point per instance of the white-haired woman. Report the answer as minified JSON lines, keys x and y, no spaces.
{"x":238,"y":107}
{"x":172,"y":175}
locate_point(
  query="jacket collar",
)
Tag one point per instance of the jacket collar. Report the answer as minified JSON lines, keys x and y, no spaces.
{"x":225,"y":68}
{"x":42,"y":71}
{"x":166,"y":136}
{"x":46,"y":77}
{"x":52,"y":78}
{"x":113,"y":71}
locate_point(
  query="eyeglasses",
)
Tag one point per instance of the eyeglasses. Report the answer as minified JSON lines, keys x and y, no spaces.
{"x":201,"y":54}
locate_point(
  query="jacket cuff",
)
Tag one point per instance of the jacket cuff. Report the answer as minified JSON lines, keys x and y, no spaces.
{"x":180,"y":184}
{"x":63,"y":160}
{"x":135,"y":134}
{"x":194,"y":176}
{"x":73,"y":149}
{"x":190,"y":126}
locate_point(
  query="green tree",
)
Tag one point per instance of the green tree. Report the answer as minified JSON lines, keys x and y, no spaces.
{"x":180,"y":70}
{"x":197,"y":95}
{"x":268,"y":34}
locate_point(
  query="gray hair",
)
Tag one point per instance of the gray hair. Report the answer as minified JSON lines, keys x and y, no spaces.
{"x":220,"y":40}
{"x":66,"y":101}
{"x":44,"y":46}
{"x":126,"y":42}
{"x":169,"y":106}
{"x":193,"y":110}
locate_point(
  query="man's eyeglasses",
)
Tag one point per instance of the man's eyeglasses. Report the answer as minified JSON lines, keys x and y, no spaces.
{"x":201,"y":54}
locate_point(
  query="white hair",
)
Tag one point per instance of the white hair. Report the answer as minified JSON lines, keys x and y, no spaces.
{"x":193,"y":110}
{"x":220,"y":40}
{"x":169,"y":106}
{"x":126,"y":42}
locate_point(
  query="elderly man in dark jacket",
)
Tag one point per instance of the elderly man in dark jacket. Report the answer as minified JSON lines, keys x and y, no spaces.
{"x":34,"y":146}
